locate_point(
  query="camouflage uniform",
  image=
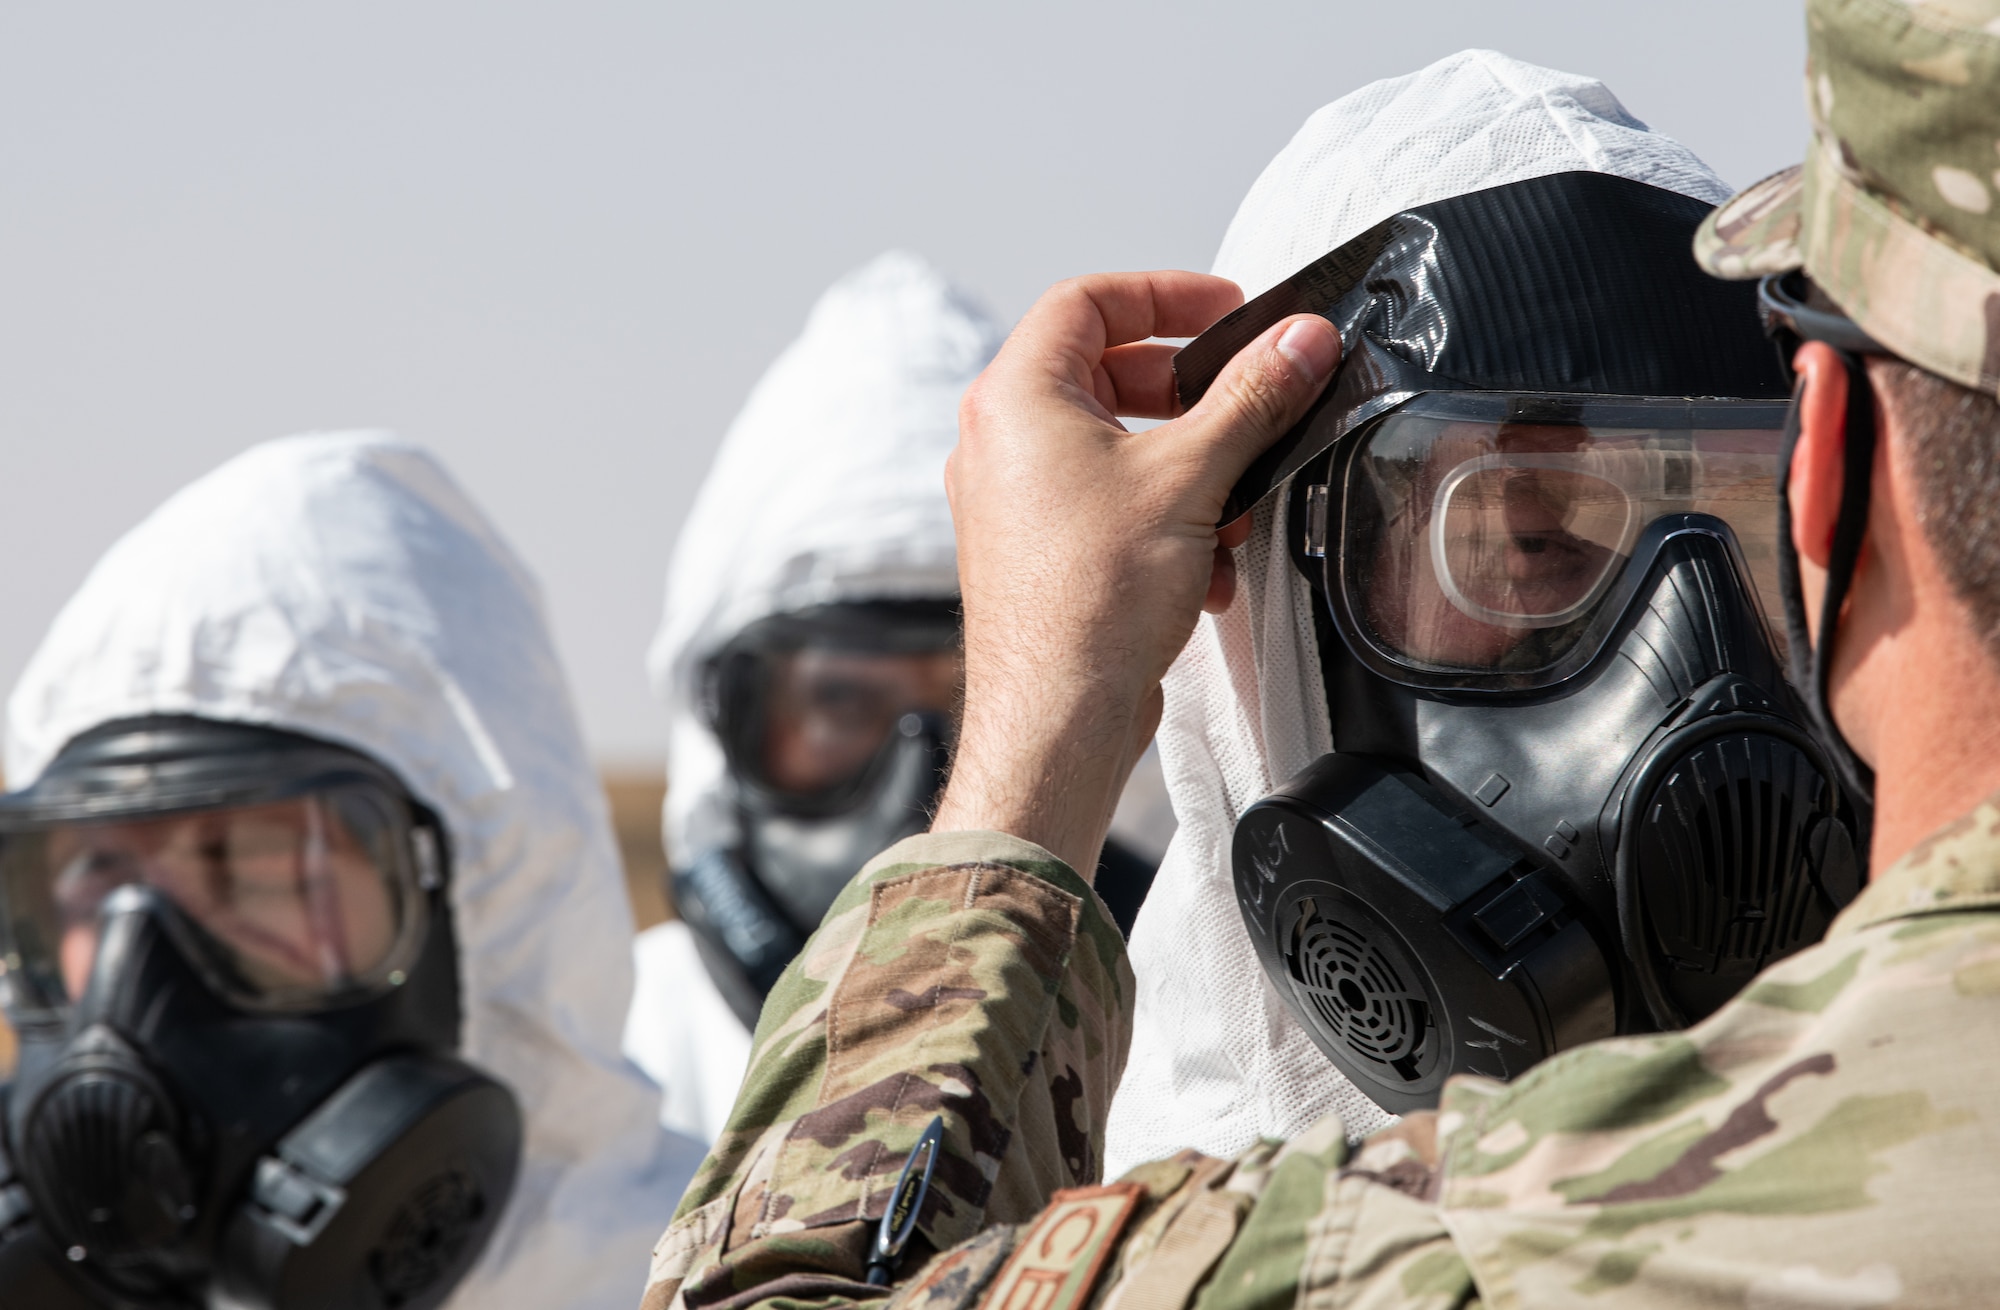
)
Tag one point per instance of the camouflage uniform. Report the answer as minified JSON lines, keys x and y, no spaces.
{"x":1831,"y":1138}
{"x":1895,"y":212}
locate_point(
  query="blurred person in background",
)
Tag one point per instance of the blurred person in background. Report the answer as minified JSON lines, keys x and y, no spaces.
{"x":307,"y":895}
{"x":810,"y":661}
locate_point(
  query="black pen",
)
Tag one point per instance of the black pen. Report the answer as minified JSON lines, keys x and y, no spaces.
{"x":899,"y":1218}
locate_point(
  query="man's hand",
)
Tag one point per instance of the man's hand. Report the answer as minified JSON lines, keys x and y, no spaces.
{"x":1086,"y":552}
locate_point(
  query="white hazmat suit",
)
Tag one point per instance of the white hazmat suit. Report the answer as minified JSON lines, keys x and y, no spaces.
{"x":342,"y":586}
{"x":1217,"y":1061}
{"x":828,"y":488}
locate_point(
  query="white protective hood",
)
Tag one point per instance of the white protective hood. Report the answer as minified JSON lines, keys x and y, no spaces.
{"x":828,"y":487}
{"x":343,"y":586}
{"x":1217,"y":1061}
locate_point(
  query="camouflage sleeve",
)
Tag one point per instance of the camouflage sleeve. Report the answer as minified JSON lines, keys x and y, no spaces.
{"x":968,"y":975}
{"x":974,"y":976}
{"x":1292,"y":1225}
{"x":1824,"y":1139}
{"x":1285,"y":1226}
{"x":1321,"y":1229}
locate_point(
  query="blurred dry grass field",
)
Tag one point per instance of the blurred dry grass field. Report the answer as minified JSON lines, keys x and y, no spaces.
{"x":635,"y":795}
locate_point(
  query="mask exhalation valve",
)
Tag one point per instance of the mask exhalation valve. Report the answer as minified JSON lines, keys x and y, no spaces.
{"x":1733,"y":856}
{"x":108,"y":1132}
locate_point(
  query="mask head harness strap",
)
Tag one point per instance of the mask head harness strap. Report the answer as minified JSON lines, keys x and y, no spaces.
{"x":1790,"y":321}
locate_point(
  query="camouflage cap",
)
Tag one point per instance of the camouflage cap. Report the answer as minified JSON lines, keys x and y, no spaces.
{"x":1893,"y":212}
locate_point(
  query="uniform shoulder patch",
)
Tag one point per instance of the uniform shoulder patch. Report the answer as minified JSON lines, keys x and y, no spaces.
{"x":1060,"y":1256}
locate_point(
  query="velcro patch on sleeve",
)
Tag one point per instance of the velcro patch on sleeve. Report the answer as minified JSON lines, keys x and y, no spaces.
{"x":1168,"y":1278}
{"x":1057,"y":1262}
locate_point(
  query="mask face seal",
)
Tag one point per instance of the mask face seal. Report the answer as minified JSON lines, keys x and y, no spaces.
{"x":1572,"y":793}
{"x":229,"y":953}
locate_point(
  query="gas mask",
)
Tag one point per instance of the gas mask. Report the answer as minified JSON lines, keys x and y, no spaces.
{"x":1572,"y":792}
{"x":229,"y":957}
{"x":834,"y":722}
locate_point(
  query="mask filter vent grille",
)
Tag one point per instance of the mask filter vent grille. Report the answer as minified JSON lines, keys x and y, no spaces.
{"x":1740,"y":862}
{"x":427,"y":1236}
{"x":1344,"y":974}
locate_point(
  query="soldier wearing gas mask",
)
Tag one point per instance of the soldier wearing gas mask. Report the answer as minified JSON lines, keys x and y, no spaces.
{"x":304,"y":888}
{"x":1524,"y":770}
{"x":1822,"y":1138}
{"x":810,"y":659}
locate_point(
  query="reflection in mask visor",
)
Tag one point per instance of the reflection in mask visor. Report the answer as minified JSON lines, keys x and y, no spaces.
{"x":289,"y":903}
{"x":829,"y":712}
{"x":1475,"y":543}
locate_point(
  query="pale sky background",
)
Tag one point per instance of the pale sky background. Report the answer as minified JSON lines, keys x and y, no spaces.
{"x":557,"y":242}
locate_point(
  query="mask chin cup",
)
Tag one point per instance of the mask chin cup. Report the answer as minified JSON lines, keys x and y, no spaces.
{"x":383,"y":1197}
{"x":804,"y":860}
{"x":1452,"y":956}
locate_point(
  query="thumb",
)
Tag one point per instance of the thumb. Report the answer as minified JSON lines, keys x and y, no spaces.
{"x":1260,"y":394}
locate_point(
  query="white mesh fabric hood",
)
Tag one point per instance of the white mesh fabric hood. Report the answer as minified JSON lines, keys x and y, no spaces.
{"x":1217,"y":1061}
{"x":343,"y":586}
{"x":828,"y":487}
